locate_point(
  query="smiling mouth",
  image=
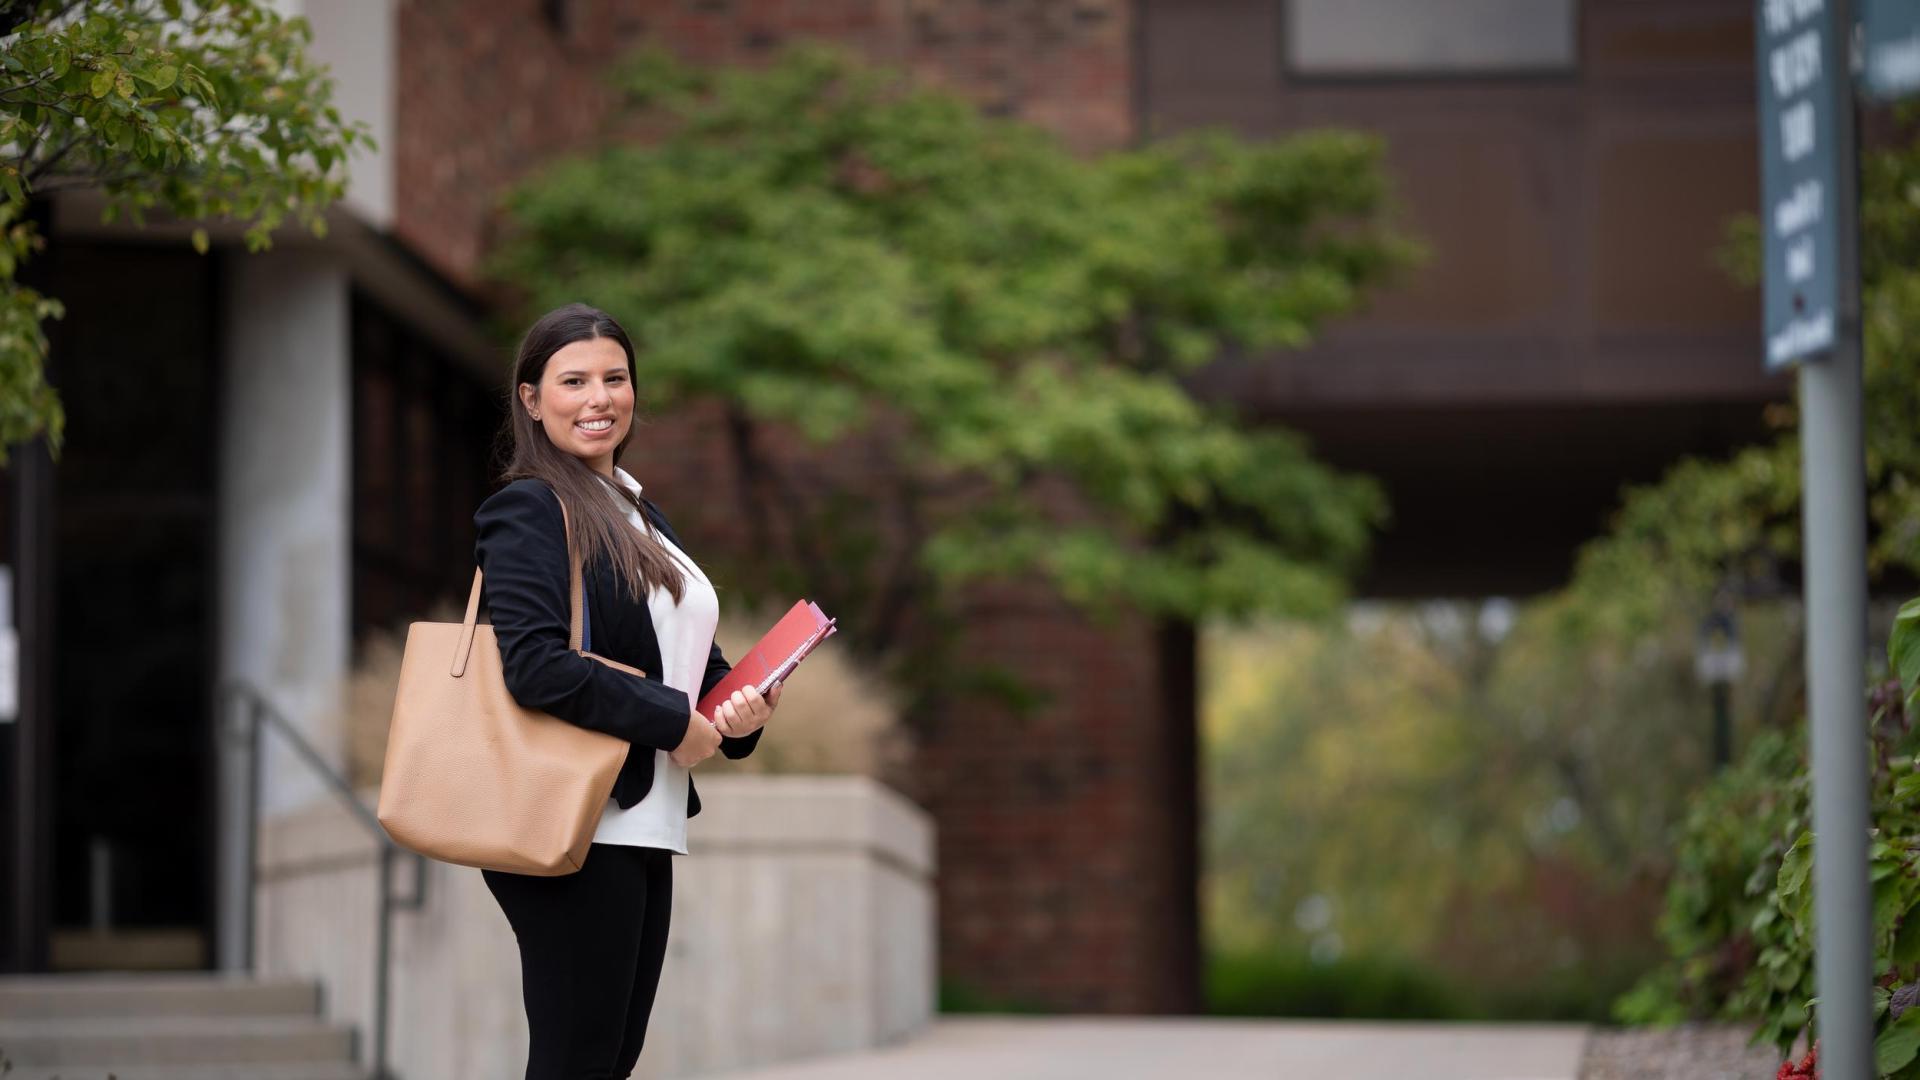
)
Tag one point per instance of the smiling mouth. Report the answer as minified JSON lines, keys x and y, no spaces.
{"x":595,"y":425}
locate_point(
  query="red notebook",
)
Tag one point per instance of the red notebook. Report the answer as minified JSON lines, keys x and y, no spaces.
{"x":803,"y":627}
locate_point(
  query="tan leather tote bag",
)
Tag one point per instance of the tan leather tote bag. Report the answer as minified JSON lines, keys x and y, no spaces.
{"x":473,"y":778}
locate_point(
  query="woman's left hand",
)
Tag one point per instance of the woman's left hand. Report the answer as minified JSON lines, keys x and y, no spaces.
{"x":746,"y":711}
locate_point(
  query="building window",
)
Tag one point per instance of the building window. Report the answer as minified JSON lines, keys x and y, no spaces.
{"x":423,"y":436}
{"x":1402,"y":38}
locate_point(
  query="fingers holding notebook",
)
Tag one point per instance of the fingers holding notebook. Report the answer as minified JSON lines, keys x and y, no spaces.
{"x":745,"y":711}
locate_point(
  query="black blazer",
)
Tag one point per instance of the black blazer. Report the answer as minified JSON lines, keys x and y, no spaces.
{"x":522,"y":549}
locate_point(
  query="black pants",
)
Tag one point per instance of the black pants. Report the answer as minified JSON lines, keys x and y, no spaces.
{"x":591,"y":944}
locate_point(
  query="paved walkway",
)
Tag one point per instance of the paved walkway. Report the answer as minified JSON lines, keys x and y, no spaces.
{"x":1049,"y":1048}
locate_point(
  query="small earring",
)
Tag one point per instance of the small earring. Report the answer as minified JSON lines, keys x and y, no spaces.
{"x":536,"y":417}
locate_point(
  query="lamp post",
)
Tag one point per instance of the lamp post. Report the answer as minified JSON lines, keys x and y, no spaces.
{"x":1717,"y":662}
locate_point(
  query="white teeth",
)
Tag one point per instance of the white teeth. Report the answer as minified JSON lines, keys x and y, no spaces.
{"x":596,"y":425}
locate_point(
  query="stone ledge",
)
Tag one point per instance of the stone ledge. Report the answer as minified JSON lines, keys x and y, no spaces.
{"x":739,"y":814}
{"x":824,"y":812}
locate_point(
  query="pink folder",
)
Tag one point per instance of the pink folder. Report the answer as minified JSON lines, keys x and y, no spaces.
{"x":803,"y":627}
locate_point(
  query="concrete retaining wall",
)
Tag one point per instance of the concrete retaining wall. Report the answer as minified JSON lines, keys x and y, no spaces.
{"x":803,"y":924}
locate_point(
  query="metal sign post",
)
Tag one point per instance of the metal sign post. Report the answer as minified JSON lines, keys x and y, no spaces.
{"x":1809,"y":182}
{"x":1802,"y":98}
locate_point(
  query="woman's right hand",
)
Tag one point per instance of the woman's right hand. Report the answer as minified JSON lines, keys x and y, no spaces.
{"x":701,"y":740}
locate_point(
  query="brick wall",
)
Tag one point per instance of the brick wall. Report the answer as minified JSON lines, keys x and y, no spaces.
{"x":490,"y":88}
{"x":1067,"y":837}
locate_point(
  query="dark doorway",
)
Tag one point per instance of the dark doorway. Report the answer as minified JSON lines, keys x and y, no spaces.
{"x":25,"y":544}
{"x":132,"y":500}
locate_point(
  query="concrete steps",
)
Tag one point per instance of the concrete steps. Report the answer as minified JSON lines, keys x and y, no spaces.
{"x":78,"y":997}
{"x":188,"y":1072}
{"x":168,"y":1027}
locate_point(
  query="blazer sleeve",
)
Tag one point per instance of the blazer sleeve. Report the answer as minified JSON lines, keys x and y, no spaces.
{"x":522,"y":551}
{"x":717,"y":666}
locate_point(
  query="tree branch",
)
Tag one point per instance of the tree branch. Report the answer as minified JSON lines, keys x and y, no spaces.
{"x":32,"y":148}
{"x":80,"y":181}
{"x":755,"y":472}
{"x":47,"y":166}
{"x":25,"y":86}
{"x":1573,"y":774}
{"x":50,"y":106}
{"x":818,"y":566}
{"x":905,"y":579}
{"x":740,"y":439}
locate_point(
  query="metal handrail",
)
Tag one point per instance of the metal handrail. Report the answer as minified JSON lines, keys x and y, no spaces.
{"x":259,"y":712}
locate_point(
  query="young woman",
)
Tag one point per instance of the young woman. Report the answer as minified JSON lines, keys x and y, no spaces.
{"x":591,"y":942}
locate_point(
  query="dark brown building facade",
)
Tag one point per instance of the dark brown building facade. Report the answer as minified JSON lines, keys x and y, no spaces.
{"x":1573,"y":169}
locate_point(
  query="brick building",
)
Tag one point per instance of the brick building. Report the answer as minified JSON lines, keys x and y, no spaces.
{"x":1570,"y":163}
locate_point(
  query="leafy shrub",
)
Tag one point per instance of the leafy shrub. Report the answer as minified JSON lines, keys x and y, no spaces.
{"x":1287,"y":984}
{"x":1739,"y":918}
{"x":959,"y":996}
{"x":1726,"y":858}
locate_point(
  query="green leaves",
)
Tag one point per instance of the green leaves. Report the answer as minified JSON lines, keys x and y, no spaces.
{"x":26,"y":401}
{"x":162,"y":109}
{"x":819,"y":245}
{"x":1897,"y":1043}
{"x":1903,"y":652}
{"x":1795,"y":867}
{"x":1737,"y":828}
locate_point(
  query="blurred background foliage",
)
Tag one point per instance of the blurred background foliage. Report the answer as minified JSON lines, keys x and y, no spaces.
{"x":1738,"y":923}
{"x":1494,"y":805}
{"x":1432,"y":810}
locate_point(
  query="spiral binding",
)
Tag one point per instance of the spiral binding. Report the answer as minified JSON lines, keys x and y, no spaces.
{"x":785,"y":667}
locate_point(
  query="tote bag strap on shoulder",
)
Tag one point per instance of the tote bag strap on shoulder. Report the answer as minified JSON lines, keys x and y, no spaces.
{"x":475,"y":778}
{"x":576,"y":599}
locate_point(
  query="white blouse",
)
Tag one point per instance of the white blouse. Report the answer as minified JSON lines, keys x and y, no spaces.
{"x":685,"y":631}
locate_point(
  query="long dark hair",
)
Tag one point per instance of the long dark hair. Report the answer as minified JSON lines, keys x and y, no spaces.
{"x":594,"y":502}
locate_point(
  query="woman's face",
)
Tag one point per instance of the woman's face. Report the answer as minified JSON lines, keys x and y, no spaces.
{"x":584,"y":400}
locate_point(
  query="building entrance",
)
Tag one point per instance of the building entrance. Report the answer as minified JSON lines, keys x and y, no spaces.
{"x":118,"y":839}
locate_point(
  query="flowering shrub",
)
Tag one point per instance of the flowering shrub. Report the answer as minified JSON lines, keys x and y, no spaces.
{"x":1807,"y":1068}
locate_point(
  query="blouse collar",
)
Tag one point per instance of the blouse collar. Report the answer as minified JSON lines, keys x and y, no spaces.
{"x":626,"y":480}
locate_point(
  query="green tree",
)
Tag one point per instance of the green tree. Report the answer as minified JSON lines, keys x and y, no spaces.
{"x":202,"y":109}
{"x":822,"y":249}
